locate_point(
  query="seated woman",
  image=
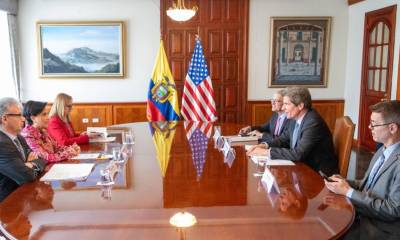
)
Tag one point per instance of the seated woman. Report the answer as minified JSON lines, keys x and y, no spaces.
{"x":60,"y":127}
{"x":38,"y":139}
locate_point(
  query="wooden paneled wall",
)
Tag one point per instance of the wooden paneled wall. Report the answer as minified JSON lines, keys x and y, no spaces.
{"x":104,"y":114}
{"x":260,"y":111}
{"x":85,"y":115}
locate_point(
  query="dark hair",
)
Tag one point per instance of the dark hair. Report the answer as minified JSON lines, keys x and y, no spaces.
{"x":299,"y":95}
{"x":33,"y":108}
{"x":390,"y":110}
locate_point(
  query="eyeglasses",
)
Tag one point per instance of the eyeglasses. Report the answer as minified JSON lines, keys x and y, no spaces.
{"x":275,"y":101}
{"x":68,"y":106}
{"x":14,"y":114}
{"x":378,"y":125}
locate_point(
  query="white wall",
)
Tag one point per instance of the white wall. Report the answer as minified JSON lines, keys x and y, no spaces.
{"x":354,"y":54}
{"x":142,"y":19}
{"x":259,"y":43}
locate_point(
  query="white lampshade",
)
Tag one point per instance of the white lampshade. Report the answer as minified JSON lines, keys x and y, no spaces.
{"x":183,"y":219}
{"x":180,"y":13}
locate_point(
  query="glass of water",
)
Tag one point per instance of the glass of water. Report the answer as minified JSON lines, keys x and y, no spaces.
{"x":116,"y":152}
{"x":128,"y":137}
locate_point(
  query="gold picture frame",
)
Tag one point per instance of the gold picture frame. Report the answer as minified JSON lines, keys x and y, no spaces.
{"x":299,"y":51}
{"x":81,"y":49}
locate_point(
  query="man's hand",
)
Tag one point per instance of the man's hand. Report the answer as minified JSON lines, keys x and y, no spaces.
{"x":32,"y":156}
{"x":259,"y":151}
{"x":29,"y":165}
{"x":339,"y":186}
{"x":255,"y":133}
{"x":245,"y":130}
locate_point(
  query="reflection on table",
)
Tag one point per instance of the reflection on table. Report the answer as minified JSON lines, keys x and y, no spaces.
{"x":227,"y":200}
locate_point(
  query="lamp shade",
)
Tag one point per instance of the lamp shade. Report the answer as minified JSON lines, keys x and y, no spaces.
{"x":180,"y":13}
{"x":183,"y":219}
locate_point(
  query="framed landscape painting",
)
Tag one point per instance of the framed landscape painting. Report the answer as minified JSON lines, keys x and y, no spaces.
{"x":81,"y":49}
{"x":299,"y":51}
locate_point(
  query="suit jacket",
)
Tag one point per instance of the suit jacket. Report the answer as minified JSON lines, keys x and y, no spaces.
{"x":378,"y":209}
{"x":13,"y":171}
{"x":268,"y":129}
{"x":60,"y":131}
{"x":314,"y":145}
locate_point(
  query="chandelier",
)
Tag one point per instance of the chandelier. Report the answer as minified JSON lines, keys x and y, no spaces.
{"x":180,"y":13}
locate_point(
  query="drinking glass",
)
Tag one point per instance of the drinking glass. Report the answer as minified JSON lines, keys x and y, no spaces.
{"x":116,"y":152}
{"x":128,"y":137}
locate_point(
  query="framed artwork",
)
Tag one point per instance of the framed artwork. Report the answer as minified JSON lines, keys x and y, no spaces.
{"x":299,"y":51}
{"x":81,"y":49}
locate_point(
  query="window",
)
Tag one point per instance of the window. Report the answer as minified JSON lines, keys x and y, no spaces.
{"x":7,"y":88}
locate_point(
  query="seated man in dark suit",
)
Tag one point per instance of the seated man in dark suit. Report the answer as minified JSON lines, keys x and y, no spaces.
{"x":17,"y":163}
{"x":376,"y":197}
{"x":276,"y":125}
{"x":308,"y":138}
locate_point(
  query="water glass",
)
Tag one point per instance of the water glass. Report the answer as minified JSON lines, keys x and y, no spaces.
{"x":116,"y":152}
{"x":128,"y":138}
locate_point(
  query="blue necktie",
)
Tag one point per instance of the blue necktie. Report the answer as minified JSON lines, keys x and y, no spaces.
{"x":374,"y":171}
{"x":295,"y":133}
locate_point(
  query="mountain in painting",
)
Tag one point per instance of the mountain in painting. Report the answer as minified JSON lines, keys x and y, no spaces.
{"x":53,"y":64}
{"x":85,"y":55}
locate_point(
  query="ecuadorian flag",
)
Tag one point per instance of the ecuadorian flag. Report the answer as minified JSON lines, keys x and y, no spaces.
{"x":162,"y":98}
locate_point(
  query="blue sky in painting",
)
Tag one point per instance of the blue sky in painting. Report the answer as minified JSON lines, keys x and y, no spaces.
{"x":61,"y":39}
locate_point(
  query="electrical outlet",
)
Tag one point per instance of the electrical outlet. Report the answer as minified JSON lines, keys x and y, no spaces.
{"x":95,"y":120}
{"x":85,"y":120}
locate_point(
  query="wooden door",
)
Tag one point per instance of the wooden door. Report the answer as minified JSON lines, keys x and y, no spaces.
{"x":377,"y":66}
{"x":223,"y":28}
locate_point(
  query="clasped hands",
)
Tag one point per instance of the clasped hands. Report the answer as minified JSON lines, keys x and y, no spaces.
{"x":247,"y":131}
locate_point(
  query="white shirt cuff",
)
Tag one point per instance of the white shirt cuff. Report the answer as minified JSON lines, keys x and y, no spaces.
{"x":349,"y":192}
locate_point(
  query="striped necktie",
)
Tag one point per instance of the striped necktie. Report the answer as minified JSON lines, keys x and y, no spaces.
{"x":374,"y":172}
{"x":278,"y":125}
{"x":20,"y":148}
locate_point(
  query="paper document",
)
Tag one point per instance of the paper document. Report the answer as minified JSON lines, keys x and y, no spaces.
{"x":102,"y":131}
{"x":102,"y":140}
{"x":271,"y":162}
{"x":259,"y":159}
{"x":236,"y":138}
{"x":76,"y":172}
{"x":87,"y":156}
{"x":279,"y":162}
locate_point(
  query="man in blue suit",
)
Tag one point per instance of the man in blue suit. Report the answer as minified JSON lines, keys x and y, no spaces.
{"x":277,"y":124}
{"x":376,"y":197}
{"x":308,"y":138}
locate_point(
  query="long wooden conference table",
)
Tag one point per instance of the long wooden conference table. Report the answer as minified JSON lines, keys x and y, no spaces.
{"x":176,"y":167}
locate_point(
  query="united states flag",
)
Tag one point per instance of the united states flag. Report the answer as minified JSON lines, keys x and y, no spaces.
{"x":198,"y":134}
{"x":198,"y":95}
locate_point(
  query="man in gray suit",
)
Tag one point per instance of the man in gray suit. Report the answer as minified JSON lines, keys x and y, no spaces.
{"x":376,"y":197}
{"x":18,"y":164}
{"x":308,"y":138}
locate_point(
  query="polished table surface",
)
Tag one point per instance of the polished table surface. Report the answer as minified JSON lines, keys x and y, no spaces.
{"x":228,"y":200}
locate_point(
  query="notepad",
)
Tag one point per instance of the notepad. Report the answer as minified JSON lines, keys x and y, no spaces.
{"x":236,"y":138}
{"x":279,"y":162}
{"x":83,"y":156}
{"x":75,"y":172}
{"x":102,"y":140}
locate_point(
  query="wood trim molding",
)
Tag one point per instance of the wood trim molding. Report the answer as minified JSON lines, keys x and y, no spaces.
{"x":351,"y":2}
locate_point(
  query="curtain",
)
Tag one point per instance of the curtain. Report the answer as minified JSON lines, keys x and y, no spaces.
{"x":12,"y":28}
{"x":9,"y":6}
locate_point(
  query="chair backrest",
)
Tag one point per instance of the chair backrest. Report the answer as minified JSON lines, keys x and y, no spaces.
{"x":342,"y":140}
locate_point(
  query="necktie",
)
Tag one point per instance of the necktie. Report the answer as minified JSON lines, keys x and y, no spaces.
{"x":278,"y":126}
{"x":374,"y":171}
{"x":295,"y":133}
{"x":20,"y":148}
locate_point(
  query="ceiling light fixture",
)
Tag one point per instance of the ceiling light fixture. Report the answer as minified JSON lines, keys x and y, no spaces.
{"x":179,"y":12}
